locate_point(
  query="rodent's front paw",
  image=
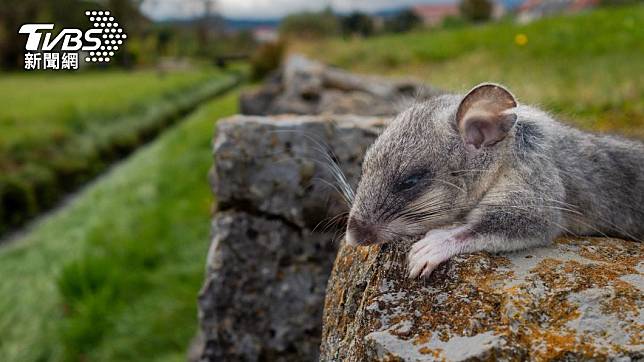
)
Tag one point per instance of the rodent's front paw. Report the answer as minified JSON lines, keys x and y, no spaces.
{"x":437,"y":246}
{"x":420,"y":264}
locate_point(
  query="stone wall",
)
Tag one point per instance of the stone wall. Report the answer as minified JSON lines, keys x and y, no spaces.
{"x":273,"y":248}
{"x":304,"y":86}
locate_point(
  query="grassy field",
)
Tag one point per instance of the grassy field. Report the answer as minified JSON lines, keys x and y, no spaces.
{"x":48,"y":106}
{"x":114,"y":275}
{"x":587,"y":68}
{"x":59,"y":131}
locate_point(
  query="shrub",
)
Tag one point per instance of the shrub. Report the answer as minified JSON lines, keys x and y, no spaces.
{"x":403,"y":22}
{"x":310,"y":24}
{"x":476,"y":10}
{"x":357,"y":23}
{"x":266,"y":58}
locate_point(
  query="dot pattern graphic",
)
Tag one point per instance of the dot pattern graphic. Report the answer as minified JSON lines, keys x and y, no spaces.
{"x":111,"y":35}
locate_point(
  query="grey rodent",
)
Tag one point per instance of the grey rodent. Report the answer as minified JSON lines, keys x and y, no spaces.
{"x":481,"y":172}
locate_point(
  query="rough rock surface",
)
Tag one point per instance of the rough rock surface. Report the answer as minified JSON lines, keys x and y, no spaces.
{"x":282,"y":166}
{"x":303,"y":86}
{"x":580,"y":299}
{"x":263,"y":295}
{"x":267,"y":267}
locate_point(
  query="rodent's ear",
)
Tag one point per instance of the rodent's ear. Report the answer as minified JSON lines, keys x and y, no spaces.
{"x":483,"y":118}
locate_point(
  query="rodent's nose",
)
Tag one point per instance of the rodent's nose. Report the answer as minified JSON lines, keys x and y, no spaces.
{"x":360,"y":232}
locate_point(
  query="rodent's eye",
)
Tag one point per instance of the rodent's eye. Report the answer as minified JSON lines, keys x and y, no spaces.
{"x":410,"y":181}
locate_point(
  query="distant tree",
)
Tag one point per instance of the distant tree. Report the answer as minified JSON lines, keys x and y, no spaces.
{"x":14,"y":13}
{"x":357,"y":23}
{"x":476,"y":10}
{"x":164,"y":39}
{"x":209,"y":29}
{"x":402,"y":22}
{"x":310,"y":24}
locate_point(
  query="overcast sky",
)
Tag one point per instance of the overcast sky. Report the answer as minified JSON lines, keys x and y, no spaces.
{"x":173,"y":9}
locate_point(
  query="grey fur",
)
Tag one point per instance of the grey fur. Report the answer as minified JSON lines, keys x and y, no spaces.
{"x":543,"y":180}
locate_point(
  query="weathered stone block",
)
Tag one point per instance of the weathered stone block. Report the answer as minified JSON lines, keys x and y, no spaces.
{"x":579,"y":299}
{"x":264,"y":289}
{"x":304,"y":86}
{"x":282,"y":166}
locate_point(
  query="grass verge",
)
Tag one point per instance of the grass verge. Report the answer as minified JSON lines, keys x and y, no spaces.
{"x":115,"y":274}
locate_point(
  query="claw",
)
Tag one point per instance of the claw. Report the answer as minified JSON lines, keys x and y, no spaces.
{"x":428,"y":270}
{"x":415,"y":270}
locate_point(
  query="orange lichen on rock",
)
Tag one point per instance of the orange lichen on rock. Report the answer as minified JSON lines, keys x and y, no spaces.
{"x":576,"y":299}
{"x":435,"y":353}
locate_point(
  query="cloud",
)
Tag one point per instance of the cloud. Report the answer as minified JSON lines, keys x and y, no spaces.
{"x":172,"y":9}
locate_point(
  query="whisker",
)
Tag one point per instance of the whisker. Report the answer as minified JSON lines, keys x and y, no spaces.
{"x":329,"y":161}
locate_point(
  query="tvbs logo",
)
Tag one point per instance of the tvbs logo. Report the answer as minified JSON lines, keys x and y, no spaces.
{"x":96,"y":45}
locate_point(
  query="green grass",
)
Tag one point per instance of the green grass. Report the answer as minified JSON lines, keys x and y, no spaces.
{"x":587,"y":68}
{"x":45,"y":106}
{"x":77,"y":124}
{"x":114,"y":275}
